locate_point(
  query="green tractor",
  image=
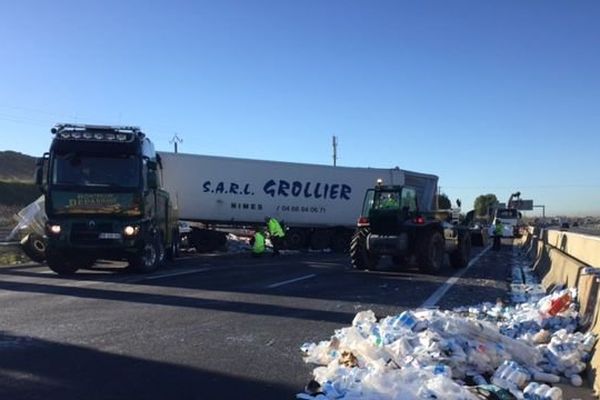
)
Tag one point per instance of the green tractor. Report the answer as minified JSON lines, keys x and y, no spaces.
{"x":391,"y":224}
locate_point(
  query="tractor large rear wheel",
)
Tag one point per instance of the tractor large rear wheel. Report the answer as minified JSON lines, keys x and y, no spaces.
{"x":359,"y":255}
{"x":431,"y":252}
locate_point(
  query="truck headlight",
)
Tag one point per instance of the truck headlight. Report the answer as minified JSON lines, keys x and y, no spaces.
{"x":55,"y":229}
{"x":130,"y":230}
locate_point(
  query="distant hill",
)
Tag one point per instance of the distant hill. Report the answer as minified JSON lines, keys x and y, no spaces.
{"x":16,"y":166}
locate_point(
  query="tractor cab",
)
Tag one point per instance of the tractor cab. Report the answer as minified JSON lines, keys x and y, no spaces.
{"x":387,"y":207}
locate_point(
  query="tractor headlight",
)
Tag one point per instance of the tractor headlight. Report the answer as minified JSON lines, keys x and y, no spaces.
{"x":55,"y":229}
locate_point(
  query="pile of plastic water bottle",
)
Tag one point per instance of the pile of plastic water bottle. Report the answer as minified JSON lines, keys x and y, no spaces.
{"x":521,"y":350}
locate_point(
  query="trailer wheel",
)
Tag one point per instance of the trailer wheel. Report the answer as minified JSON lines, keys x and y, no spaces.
{"x":320,"y":239}
{"x":431,"y":252}
{"x":460,"y":257}
{"x":148,"y":259}
{"x":34,"y":246}
{"x":359,"y":255}
{"x":207,"y":240}
{"x":61,"y":265}
{"x":340,"y":242}
{"x":295,"y":239}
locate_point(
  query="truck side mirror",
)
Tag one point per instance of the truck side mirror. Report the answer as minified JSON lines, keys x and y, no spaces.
{"x":39,"y":172}
{"x":152,"y":179}
{"x":152,"y":165}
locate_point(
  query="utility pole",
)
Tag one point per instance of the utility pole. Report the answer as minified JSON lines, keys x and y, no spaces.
{"x":176,"y":139}
{"x":335,"y":143}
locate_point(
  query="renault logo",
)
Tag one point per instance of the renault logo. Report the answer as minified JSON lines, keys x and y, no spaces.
{"x":92,"y":224}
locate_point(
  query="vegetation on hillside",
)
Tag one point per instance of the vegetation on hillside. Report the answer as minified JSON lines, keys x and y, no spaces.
{"x":16,"y":166}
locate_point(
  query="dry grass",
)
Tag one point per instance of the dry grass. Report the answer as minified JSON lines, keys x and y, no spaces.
{"x":10,"y":255}
{"x":6,"y":216}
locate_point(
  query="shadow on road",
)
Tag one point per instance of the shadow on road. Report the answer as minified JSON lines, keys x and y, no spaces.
{"x":37,"y":369}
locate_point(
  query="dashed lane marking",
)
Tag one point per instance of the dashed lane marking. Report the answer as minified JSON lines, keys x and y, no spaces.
{"x":274,"y":285}
{"x":170,"y":274}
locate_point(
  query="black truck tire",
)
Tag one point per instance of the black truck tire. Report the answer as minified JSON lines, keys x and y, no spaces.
{"x":61,"y":265}
{"x":360,"y":257}
{"x":149,"y":258}
{"x":174,"y":247}
{"x":321,"y":239}
{"x":34,"y":246}
{"x":207,"y":240}
{"x":295,"y":239}
{"x":460,"y":257}
{"x":431,"y":252}
{"x":340,"y":242}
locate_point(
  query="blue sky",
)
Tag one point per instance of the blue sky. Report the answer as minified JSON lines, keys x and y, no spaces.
{"x":491,"y":96}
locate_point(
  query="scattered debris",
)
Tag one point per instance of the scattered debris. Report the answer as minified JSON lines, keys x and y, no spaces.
{"x":512,"y":351}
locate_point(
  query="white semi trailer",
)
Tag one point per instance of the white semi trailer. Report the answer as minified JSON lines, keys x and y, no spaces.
{"x":318,"y":204}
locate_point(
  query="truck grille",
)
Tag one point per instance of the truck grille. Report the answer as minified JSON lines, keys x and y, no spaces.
{"x":83,"y":233}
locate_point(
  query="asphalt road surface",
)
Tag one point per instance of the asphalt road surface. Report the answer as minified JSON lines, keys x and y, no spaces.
{"x":204,"y":327}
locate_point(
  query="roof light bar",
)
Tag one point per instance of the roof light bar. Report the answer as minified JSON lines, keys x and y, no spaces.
{"x":97,"y":132}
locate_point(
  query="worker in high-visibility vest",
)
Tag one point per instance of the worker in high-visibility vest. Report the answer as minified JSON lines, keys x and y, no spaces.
{"x":498,"y":233}
{"x":276,"y":234}
{"x":258,"y":243}
{"x":389,"y":201}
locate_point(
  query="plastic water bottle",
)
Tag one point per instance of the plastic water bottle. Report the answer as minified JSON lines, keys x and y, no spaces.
{"x":406,"y":320}
{"x":529,"y":392}
{"x":576,"y":380}
{"x":376,"y":336}
{"x":441,"y":369}
{"x":540,"y":392}
{"x":554,"y":394}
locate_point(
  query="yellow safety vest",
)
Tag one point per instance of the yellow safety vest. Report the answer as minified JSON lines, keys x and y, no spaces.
{"x":275,"y":228}
{"x":499,"y":230}
{"x":259,"y":243}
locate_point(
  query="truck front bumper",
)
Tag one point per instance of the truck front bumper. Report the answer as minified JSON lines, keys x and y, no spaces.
{"x":96,"y":238}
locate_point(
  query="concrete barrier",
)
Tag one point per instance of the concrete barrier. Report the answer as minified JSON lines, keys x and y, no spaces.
{"x":562,"y":259}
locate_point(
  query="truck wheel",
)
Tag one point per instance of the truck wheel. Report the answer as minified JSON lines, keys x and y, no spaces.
{"x":173,"y":251}
{"x":86,"y":263}
{"x":295,"y":239}
{"x":460,"y":257}
{"x":431,"y":252}
{"x":149,"y":258}
{"x":60,"y":265}
{"x":359,"y":255}
{"x":34,"y":246}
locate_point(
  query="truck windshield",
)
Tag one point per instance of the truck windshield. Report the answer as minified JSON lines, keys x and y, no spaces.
{"x":86,"y":170}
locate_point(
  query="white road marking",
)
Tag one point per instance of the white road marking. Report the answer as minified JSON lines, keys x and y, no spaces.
{"x":441,"y":291}
{"x":170,"y":274}
{"x":291,"y":281}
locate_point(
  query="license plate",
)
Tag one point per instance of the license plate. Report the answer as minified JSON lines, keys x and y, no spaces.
{"x":109,"y":235}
